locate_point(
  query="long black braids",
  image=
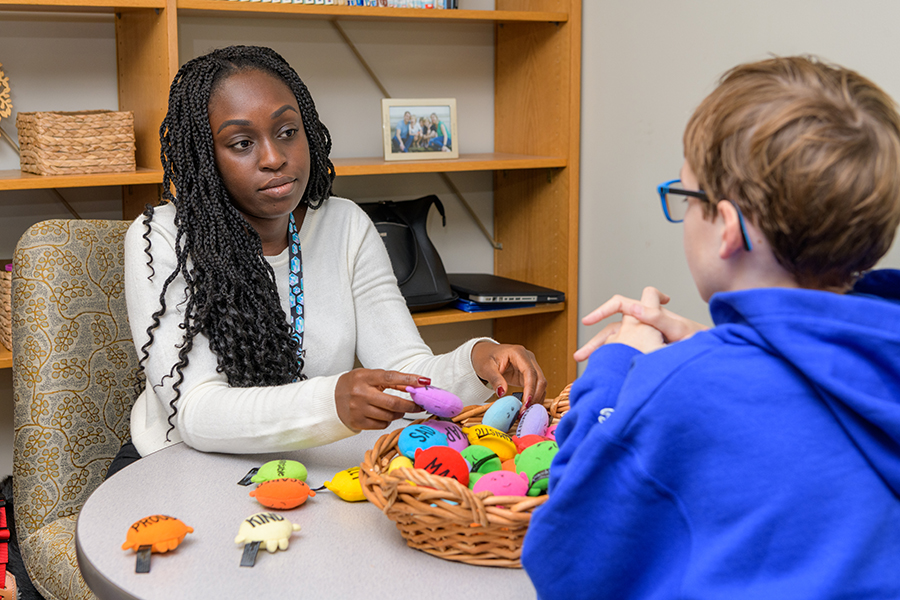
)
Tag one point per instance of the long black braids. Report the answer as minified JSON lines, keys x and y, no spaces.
{"x":232,"y":297}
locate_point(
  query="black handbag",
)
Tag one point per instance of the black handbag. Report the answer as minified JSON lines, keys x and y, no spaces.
{"x":414,"y":259}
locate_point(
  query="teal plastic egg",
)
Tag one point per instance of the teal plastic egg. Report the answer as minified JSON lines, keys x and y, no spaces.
{"x":418,"y":436}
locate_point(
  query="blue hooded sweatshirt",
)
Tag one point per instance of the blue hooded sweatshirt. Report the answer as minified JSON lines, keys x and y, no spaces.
{"x":759,"y":459}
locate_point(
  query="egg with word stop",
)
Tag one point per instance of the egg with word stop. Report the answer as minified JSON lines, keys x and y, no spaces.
{"x":160,"y":532}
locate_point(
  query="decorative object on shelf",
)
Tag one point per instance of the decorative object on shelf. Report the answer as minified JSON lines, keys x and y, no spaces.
{"x":74,"y":143}
{"x":416,"y":263}
{"x":439,"y":515}
{"x":6,"y":107}
{"x":6,"y":307}
{"x":419,"y":129}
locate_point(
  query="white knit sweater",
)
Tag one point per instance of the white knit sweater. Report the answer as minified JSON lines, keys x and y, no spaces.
{"x":352,"y":306}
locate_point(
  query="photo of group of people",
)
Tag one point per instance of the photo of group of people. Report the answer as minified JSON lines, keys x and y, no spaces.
{"x":419,"y":131}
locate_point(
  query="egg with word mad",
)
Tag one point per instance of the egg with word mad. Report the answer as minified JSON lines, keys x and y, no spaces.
{"x":503,"y":483}
{"x":282,"y":493}
{"x":346,"y":486}
{"x":268,"y":528}
{"x":490,"y":437}
{"x":534,"y":421}
{"x":436,"y":401}
{"x":280,"y":469}
{"x":481,"y":459}
{"x":418,"y":436}
{"x":444,"y":462}
{"x":160,"y":532}
{"x":535,"y":462}
{"x":456,"y":439}
{"x":501,"y":414}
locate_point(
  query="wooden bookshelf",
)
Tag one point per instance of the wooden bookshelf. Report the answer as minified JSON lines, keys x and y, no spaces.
{"x":535,"y":163}
{"x":5,"y":358}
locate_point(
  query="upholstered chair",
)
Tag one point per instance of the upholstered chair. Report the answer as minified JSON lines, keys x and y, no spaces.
{"x":74,"y":381}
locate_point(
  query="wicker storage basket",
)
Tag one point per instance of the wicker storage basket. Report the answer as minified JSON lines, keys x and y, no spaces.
{"x":6,"y":309}
{"x":479,"y":529}
{"x":70,"y":143}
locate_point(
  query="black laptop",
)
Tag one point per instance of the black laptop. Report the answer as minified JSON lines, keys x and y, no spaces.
{"x":483,"y":287}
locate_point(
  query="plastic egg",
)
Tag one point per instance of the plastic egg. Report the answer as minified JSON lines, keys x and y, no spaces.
{"x":346,"y":486}
{"x":282,"y":493}
{"x":534,"y":421}
{"x":526,"y":441}
{"x":272,"y":529}
{"x":535,"y":462}
{"x":419,"y":436}
{"x":485,"y":435}
{"x":436,"y":401}
{"x":399,"y":462}
{"x":280,"y":469}
{"x":550,"y":434}
{"x":456,"y":439}
{"x":443,"y":461}
{"x":502,"y":483}
{"x":160,"y":532}
{"x":501,"y":414}
{"x":481,"y":459}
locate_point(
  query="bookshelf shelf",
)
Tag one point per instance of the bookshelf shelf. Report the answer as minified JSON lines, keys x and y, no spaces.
{"x":452,"y":315}
{"x":18,"y":180}
{"x":362,"y":13}
{"x":5,"y":358}
{"x":493,"y":161}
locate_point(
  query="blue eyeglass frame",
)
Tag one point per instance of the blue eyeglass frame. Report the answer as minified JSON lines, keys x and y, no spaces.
{"x":666,"y":188}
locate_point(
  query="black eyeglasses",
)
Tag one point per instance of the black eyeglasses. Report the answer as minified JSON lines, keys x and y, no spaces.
{"x":675,"y":204}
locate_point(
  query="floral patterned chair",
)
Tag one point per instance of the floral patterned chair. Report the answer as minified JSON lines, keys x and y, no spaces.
{"x":74,"y":381}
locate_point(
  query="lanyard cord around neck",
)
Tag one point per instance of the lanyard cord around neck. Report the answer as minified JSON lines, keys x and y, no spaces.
{"x":295,"y":288}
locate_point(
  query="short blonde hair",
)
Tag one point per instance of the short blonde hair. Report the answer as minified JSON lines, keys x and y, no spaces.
{"x":810,"y":152}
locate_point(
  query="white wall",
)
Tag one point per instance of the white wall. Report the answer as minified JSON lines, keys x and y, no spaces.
{"x":646,"y":66}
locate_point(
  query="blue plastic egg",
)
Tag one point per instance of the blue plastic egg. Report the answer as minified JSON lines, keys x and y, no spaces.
{"x":502,"y":413}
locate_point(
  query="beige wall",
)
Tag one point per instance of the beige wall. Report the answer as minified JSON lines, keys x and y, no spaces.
{"x":646,"y":65}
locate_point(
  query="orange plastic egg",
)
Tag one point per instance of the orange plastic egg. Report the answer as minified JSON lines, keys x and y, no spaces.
{"x":282,"y":493}
{"x":160,"y":532}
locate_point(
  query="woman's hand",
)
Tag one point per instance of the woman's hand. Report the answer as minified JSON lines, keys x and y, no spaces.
{"x":648,"y":311}
{"x":361,"y":401}
{"x":502,"y":365}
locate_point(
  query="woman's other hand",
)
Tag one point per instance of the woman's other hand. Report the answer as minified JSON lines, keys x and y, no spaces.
{"x":502,"y":365}
{"x":648,"y":311}
{"x":361,"y":401}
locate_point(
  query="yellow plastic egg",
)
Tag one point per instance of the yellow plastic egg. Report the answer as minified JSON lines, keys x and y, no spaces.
{"x":400,"y":461}
{"x":500,"y":443}
{"x":345,"y":484}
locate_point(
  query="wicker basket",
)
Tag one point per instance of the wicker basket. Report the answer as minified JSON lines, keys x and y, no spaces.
{"x":70,"y":143}
{"x":6,"y":309}
{"x":479,"y":529}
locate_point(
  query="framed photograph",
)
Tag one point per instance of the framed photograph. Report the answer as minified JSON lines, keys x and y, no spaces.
{"x":419,"y":129}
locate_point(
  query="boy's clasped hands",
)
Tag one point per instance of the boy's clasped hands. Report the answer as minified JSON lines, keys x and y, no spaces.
{"x":645,"y":324}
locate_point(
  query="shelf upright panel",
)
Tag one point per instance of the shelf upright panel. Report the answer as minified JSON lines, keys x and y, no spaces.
{"x":147,"y":59}
{"x":537,"y":112}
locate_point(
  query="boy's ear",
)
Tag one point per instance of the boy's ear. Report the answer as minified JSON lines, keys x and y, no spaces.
{"x":732,"y":240}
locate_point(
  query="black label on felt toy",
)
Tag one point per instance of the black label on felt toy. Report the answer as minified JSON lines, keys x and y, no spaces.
{"x":248,"y":558}
{"x":247,"y":480}
{"x":142,"y":563}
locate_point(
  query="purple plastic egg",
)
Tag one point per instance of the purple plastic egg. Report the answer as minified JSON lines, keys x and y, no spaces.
{"x":456,"y":439}
{"x":436,"y":401}
{"x":534,"y":421}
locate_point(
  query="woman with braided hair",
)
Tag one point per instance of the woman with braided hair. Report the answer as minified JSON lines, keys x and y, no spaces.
{"x":251,"y":290}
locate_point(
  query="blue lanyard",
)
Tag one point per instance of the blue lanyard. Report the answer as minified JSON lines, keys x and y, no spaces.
{"x":295,"y":281}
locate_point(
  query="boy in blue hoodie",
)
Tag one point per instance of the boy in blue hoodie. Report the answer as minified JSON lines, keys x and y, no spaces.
{"x":759,"y":458}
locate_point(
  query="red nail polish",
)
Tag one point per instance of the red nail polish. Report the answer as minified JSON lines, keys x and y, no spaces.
{"x":500,"y":392}
{"x":424,"y":381}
